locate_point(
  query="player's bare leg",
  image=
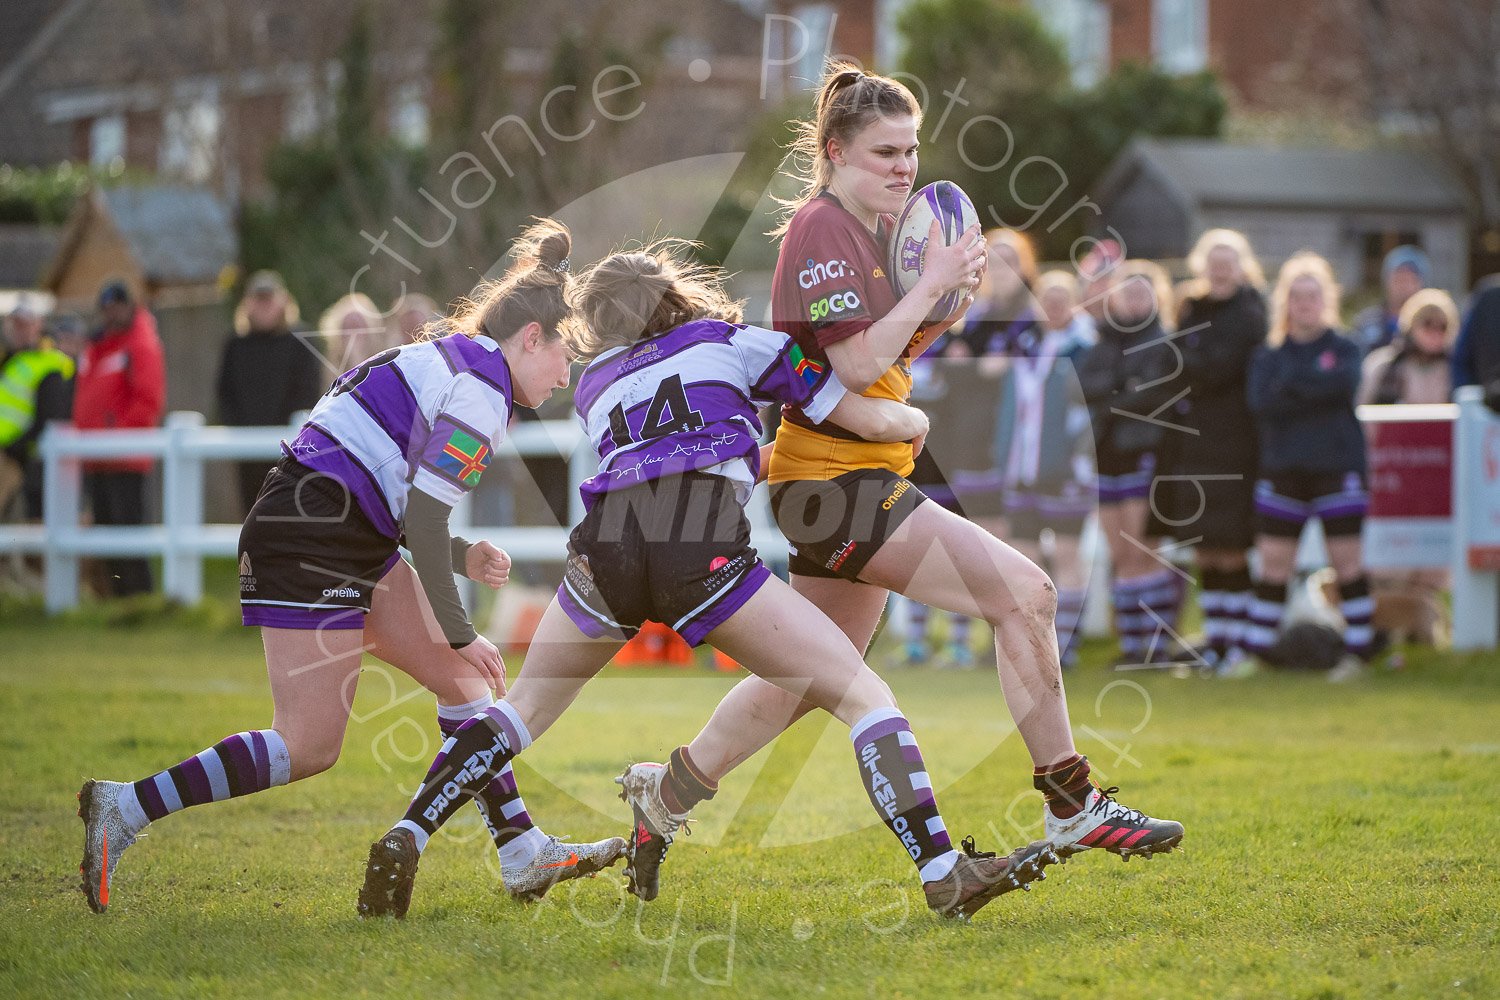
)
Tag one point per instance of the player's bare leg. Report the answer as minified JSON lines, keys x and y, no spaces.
{"x":313,"y":675}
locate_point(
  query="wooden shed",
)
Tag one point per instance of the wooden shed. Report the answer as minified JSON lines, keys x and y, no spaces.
{"x":1349,"y":205}
{"x":177,"y":248}
{"x":174,"y":246}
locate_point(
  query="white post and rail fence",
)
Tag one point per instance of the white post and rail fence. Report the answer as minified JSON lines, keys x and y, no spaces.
{"x":184,"y":446}
{"x":1434,"y":478}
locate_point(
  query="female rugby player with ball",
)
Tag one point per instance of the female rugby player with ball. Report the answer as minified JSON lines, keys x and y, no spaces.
{"x":384,"y":456}
{"x":857,"y":526}
{"x":670,"y":404}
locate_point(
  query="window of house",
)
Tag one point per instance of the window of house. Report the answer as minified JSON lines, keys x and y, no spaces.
{"x":107,"y":141}
{"x":809,"y":41}
{"x":1083,"y":28}
{"x":1375,"y":245}
{"x":1180,"y":35}
{"x":190,"y":139}
{"x":408,"y":122}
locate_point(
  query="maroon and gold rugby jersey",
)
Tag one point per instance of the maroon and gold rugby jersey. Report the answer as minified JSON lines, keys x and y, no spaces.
{"x":830,"y":284}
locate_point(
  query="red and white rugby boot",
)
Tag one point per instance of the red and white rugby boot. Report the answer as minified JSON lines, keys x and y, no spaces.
{"x":1107,"y":825}
{"x":653,"y":827}
{"x":105,"y":837}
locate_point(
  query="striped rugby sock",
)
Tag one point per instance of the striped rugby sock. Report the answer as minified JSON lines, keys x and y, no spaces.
{"x":896,"y":781}
{"x":1263,"y":623}
{"x":237,"y":765}
{"x":1160,"y":598}
{"x":1132,"y":624}
{"x":1239,"y":590}
{"x":1358,"y":608}
{"x":469,"y":762}
{"x":500,"y":802}
{"x":1069,"y":617}
{"x":1213,"y":601}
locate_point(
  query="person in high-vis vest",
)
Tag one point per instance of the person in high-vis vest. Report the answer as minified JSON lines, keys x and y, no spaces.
{"x":35,"y":387}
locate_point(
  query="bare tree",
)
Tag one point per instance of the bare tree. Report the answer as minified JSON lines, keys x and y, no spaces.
{"x":1437,"y":64}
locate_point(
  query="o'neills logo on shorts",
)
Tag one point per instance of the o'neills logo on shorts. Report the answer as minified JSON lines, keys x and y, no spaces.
{"x":896,"y":494}
{"x":841,"y":555}
{"x":342,"y":592}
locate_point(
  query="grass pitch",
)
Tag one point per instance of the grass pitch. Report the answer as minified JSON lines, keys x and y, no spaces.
{"x":1341,"y":841}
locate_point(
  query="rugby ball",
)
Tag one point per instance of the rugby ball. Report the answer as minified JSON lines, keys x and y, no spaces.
{"x":945,"y":202}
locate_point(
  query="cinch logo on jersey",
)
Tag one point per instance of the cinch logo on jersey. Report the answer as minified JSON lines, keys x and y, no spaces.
{"x":834,"y":304}
{"x":911,"y":254}
{"x":476,"y":766}
{"x":806,"y":368}
{"x":884,"y":796}
{"x":463,"y":458}
{"x":342,"y":592}
{"x":820,"y":271}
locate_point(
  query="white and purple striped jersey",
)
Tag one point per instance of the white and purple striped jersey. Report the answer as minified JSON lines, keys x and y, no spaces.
{"x":426,"y":415}
{"x":686,"y":401}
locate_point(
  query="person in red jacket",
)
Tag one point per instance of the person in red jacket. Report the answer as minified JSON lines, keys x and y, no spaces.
{"x":121,"y":383}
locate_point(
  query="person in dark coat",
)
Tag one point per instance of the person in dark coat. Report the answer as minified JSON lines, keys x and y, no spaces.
{"x":1204,"y":491}
{"x":1476,"y":356}
{"x":1120,"y":376}
{"x":1302,"y":387}
{"x":266,"y":374}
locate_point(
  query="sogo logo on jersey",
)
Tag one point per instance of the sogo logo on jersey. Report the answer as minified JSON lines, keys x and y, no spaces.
{"x":818,"y":272}
{"x":834,"y":304}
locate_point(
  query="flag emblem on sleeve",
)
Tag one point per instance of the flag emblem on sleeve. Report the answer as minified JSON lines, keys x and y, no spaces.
{"x":463,"y":458}
{"x":806,"y":368}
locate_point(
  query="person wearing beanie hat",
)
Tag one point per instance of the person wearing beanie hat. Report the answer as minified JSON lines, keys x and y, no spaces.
{"x":121,"y":383}
{"x":1405,"y":271}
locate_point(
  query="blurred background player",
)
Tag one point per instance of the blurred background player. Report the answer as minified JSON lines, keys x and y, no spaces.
{"x":1303,"y":381}
{"x":1203,"y":494}
{"x":1118,"y":374}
